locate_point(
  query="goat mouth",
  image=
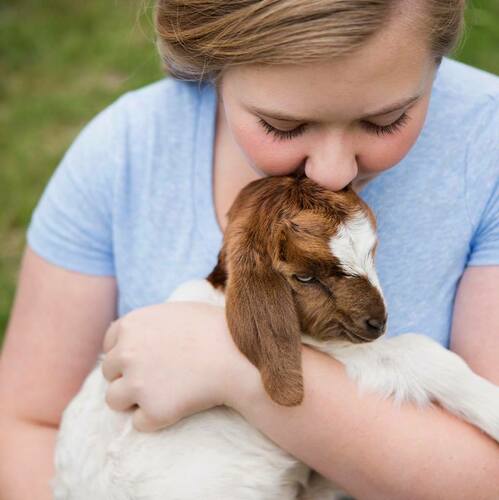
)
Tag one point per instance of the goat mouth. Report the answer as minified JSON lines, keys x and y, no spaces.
{"x":356,"y":338}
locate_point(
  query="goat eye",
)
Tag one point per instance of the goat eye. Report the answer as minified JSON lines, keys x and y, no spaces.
{"x":304,"y":279}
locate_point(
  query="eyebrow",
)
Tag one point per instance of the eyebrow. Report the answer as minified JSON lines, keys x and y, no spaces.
{"x":278,"y":115}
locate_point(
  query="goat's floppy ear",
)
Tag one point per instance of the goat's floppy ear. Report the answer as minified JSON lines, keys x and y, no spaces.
{"x":263,"y":321}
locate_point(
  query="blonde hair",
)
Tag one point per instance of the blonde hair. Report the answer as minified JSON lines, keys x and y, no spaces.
{"x":197,"y":39}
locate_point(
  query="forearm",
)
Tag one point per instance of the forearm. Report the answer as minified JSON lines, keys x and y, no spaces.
{"x":26,"y":460}
{"x":373,"y":449}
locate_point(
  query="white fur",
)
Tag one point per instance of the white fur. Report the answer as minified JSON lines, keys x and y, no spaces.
{"x":217,"y":455}
{"x":353,"y":245}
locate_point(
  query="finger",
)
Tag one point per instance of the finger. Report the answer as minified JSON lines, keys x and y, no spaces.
{"x":112,"y":367}
{"x":111,"y":336}
{"x":143,"y":423}
{"x":119,"y":397}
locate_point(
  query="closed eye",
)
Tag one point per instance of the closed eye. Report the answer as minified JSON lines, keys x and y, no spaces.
{"x":372,"y":128}
{"x":391,"y":128}
{"x":282,"y":134}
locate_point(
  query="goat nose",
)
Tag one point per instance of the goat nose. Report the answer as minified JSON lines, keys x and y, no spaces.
{"x":375,"y":325}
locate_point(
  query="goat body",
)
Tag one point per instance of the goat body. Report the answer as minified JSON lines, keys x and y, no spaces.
{"x":312,"y":280}
{"x":217,"y":455}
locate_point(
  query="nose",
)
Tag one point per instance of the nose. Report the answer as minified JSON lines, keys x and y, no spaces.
{"x":375,"y":327}
{"x":375,"y":324}
{"x":332,"y":162}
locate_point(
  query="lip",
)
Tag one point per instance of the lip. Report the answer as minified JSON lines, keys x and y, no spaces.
{"x":356,"y":338}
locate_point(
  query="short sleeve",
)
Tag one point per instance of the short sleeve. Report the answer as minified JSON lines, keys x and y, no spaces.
{"x":483,"y":187}
{"x":72,"y":223}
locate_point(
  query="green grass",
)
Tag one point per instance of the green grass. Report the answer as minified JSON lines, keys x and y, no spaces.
{"x":61,"y":62}
{"x":480,"y":45}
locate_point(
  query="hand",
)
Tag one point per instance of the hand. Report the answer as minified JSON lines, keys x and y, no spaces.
{"x":168,"y":361}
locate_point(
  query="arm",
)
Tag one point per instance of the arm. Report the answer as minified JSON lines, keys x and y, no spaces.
{"x":55,"y":333}
{"x":366,"y":445}
{"x":475,"y":328}
{"x":381,"y":452}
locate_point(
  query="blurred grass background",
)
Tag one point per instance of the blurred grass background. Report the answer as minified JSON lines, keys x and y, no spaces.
{"x":61,"y":62}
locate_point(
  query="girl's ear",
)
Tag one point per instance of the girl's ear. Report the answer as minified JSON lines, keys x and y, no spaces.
{"x":264,"y":324}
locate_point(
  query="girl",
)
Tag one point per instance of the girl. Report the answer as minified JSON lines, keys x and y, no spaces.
{"x":345,"y":91}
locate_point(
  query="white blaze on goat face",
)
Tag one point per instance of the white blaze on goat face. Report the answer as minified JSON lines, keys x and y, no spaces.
{"x":353,"y":245}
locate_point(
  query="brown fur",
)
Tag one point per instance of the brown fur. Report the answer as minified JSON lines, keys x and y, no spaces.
{"x":280,"y":227}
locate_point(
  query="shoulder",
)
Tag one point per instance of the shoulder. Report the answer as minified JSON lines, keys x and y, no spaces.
{"x":142,"y":133}
{"x":149,"y":126}
{"x":123,"y":170}
{"x":468,"y":100}
{"x":464,"y":103}
{"x":462,"y":137}
{"x":167,"y":103}
{"x":161,"y":120}
{"x":165,"y":96}
{"x":456,"y":79}
{"x":463,"y":118}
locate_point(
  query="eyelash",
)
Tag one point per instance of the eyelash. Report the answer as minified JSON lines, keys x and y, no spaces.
{"x":391,"y":128}
{"x":282,"y":134}
{"x":372,"y":128}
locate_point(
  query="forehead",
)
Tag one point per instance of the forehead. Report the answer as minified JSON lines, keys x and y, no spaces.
{"x":349,"y":237}
{"x":394,"y":65}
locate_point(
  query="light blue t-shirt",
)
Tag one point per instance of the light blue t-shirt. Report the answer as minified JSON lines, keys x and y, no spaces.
{"x":133,"y":198}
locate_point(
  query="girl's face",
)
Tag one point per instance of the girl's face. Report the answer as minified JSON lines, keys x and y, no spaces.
{"x":341,"y":121}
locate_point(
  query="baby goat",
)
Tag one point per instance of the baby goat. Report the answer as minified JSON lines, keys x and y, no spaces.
{"x":297,"y":265}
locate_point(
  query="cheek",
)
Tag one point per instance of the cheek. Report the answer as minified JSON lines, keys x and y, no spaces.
{"x":380,"y":153}
{"x":264,"y":152}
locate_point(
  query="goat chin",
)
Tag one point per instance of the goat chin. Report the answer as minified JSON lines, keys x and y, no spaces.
{"x":217,"y":455}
